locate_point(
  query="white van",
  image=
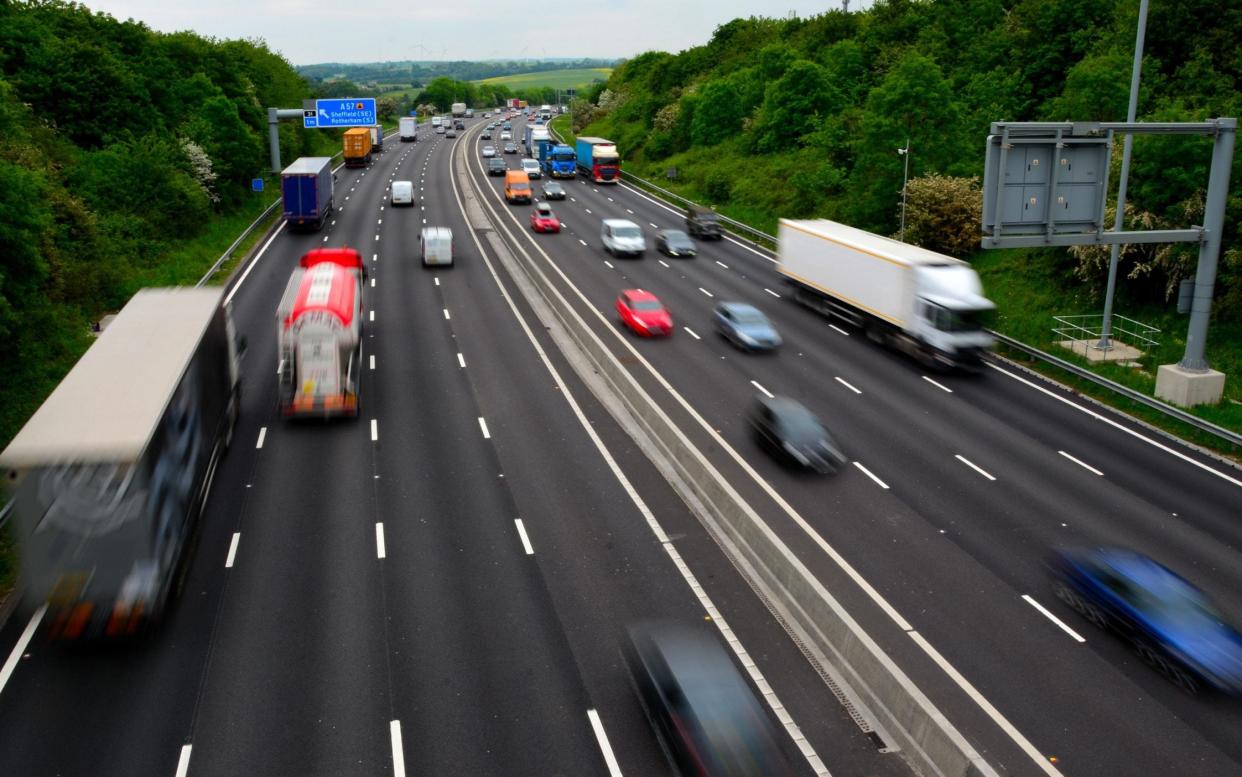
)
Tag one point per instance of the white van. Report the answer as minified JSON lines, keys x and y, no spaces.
{"x":435,"y":245}
{"x":622,"y":236}
{"x":531,"y":168}
{"x":402,"y":193}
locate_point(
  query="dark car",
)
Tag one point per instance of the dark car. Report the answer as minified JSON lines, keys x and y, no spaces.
{"x":702,"y":222}
{"x":459,"y":124}
{"x":786,"y":428}
{"x":674,"y":242}
{"x":746,"y":327}
{"x":553,"y":191}
{"x":510,"y":148}
{"x":1173,"y":625}
{"x":699,"y":703}
{"x":496,"y":166}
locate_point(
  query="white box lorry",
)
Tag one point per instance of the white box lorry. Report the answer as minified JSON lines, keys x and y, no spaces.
{"x":918,"y":301}
{"x":407,"y":129}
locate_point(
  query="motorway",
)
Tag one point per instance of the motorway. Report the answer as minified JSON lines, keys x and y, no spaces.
{"x":440,"y":587}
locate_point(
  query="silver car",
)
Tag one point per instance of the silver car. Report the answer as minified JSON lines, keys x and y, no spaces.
{"x":489,"y":151}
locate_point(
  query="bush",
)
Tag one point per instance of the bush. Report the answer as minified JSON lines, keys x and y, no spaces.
{"x":718,"y":186}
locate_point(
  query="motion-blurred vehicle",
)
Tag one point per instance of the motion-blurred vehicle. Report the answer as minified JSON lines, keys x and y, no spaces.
{"x":489,"y":151}
{"x":746,"y":327}
{"x":542,"y":219}
{"x":622,"y":236}
{"x":507,"y":125}
{"x":699,"y":703}
{"x":435,"y":246}
{"x":703,"y":222}
{"x":674,"y":242}
{"x":496,"y":166}
{"x":553,"y":191}
{"x":439,"y":129}
{"x":487,"y":134}
{"x":792,"y":432}
{"x":450,"y":133}
{"x":1173,"y":625}
{"x":402,"y":193}
{"x":517,"y":186}
{"x":531,"y":168}
{"x":506,"y":135}
{"x":510,"y":148}
{"x":643,"y":312}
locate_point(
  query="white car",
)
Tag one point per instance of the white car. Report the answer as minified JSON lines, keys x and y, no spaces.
{"x":489,"y":151}
{"x":402,"y":193}
{"x":506,"y":135}
{"x":435,"y":245}
{"x":531,"y":168}
{"x":622,"y":236}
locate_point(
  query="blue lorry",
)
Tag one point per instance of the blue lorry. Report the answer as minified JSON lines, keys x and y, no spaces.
{"x":306,"y":188}
{"x":558,"y":160}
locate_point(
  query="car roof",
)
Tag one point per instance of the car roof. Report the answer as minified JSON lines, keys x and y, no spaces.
{"x":784,"y":406}
{"x":639,"y":294}
{"x":739,"y":307}
{"x":437,"y":233}
{"x":614,"y":223}
{"x":543,"y":206}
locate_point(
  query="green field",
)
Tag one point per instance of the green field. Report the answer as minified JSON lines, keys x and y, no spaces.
{"x":557,"y":79}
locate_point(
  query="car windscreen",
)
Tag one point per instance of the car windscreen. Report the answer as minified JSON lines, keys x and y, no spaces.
{"x":750,"y":317}
{"x":519,"y":187}
{"x":646,"y":305}
{"x":629,"y":233}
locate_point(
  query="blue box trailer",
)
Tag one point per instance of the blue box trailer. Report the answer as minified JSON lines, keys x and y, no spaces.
{"x":306,"y":188}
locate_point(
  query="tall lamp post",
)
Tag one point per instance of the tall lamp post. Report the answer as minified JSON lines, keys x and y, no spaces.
{"x":905,"y":175}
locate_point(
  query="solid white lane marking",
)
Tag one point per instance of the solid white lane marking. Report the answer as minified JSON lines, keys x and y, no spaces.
{"x":614,"y":768}
{"x":228,"y":562}
{"x":1116,"y":425}
{"x":937,"y":385}
{"x":1082,"y":464}
{"x":19,"y":649}
{"x":774,"y":294}
{"x":372,"y":361}
{"x":262,"y":437}
{"x":690,"y":332}
{"x":839,"y":329}
{"x":183,"y":761}
{"x":380,"y":551}
{"x":610,"y":267}
{"x":374,"y":430}
{"x":661,"y":261}
{"x":761,"y":388}
{"x":525,"y":540}
{"x":398,"y":750}
{"x":848,"y":386}
{"x":447,"y":317}
{"x":1077,"y":637}
{"x":722,"y":264}
{"x":869,"y":474}
{"x":483,"y":425}
{"x":973,"y":466}
{"x":461,"y":361}
{"x":705,"y":291}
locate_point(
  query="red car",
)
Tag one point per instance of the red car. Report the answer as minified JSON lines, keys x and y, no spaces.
{"x":542,"y":219}
{"x":642,"y":311}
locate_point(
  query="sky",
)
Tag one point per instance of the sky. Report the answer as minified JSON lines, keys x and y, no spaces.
{"x":308,"y":32}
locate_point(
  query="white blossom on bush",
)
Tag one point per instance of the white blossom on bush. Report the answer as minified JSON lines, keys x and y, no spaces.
{"x":200,"y":165}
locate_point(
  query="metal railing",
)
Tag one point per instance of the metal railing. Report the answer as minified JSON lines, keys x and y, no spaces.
{"x":1077,"y":329}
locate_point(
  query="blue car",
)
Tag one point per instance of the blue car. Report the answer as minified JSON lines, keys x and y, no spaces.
{"x":1172,"y":624}
{"x":744,"y":326}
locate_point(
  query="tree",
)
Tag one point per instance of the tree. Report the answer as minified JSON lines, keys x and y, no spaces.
{"x":718,"y":115}
{"x":944,"y":213}
{"x":793,"y":106}
{"x":1097,"y":88}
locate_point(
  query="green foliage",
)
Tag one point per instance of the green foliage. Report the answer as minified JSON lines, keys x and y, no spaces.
{"x":794,"y":105}
{"x":718,"y":115}
{"x":718,"y":186}
{"x":943,"y":214}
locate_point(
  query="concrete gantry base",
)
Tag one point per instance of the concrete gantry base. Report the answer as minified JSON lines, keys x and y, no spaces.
{"x":1189,"y":387}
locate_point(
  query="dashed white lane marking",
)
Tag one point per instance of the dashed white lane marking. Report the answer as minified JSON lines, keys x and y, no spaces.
{"x":483,"y":425}
{"x":769,"y":394}
{"x":325,"y":238}
{"x":372,"y":314}
{"x":183,"y":761}
{"x":374,"y":257}
{"x":839,"y":329}
{"x":398,"y":750}
{"x":869,"y":474}
{"x":722,"y":264}
{"x":661,"y":261}
{"x":588,"y":210}
{"x":705,"y":291}
{"x":1076,"y":636}
{"x":374,"y":430}
{"x":372,"y":361}
{"x":691,"y":332}
{"x":843,"y":382}
{"x":437,"y":280}
{"x":525,"y":540}
{"x":580,"y":240}
{"x":614,"y":768}
{"x":610,"y":267}
{"x":627,"y":210}
{"x":377,"y":236}
{"x":774,"y":294}
{"x":262,"y":437}
{"x":973,"y":466}
{"x":228,"y":562}
{"x":19,"y":649}
{"x":447,"y":317}
{"x":373,"y":283}
{"x":1082,"y":464}
{"x":653,"y":226}
{"x":380,"y":551}
{"x":461,"y":361}
{"x":945,"y":389}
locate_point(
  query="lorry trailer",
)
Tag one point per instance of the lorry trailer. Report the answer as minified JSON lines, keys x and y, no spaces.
{"x":407,"y":129}
{"x":356,"y":146}
{"x":926,"y":304}
{"x":306,"y":192}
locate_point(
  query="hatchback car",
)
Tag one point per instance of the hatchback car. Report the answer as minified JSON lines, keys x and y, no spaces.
{"x":489,"y":151}
{"x":532,"y":168}
{"x":487,"y":134}
{"x":792,"y":433}
{"x":699,"y":703}
{"x":643,"y":312}
{"x":1172,"y":625}
{"x":746,"y":327}
{"x":542,"y":219}
{"x":553,"y":191}
{"x":622,"y":236}
{"x":496,"y":166}
{"x":506,"y":135}
{"x":510,"y":148}
{"x":674,"y":242}
{"x":450,"y":133}
{"x":402,"y":193}
{"x":439,"y":129}
{"x":435,"y":245}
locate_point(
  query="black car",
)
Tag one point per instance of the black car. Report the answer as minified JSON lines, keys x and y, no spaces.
{"x":702,"y":222}
{"x":496,"y":166}
{"x":553,"y":191}
{"x":699,"y":703}
{"x":461,"y":125}
{"x":674,"y":242}
{"x":791,"y":432}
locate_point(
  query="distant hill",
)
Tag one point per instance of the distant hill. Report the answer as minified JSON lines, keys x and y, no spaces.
{"x":555,"y":79}
{"x":409,"y":72}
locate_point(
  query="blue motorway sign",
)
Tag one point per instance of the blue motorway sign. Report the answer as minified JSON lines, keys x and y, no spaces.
{"x":256,"y":184}
{"x":341,"y":112}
